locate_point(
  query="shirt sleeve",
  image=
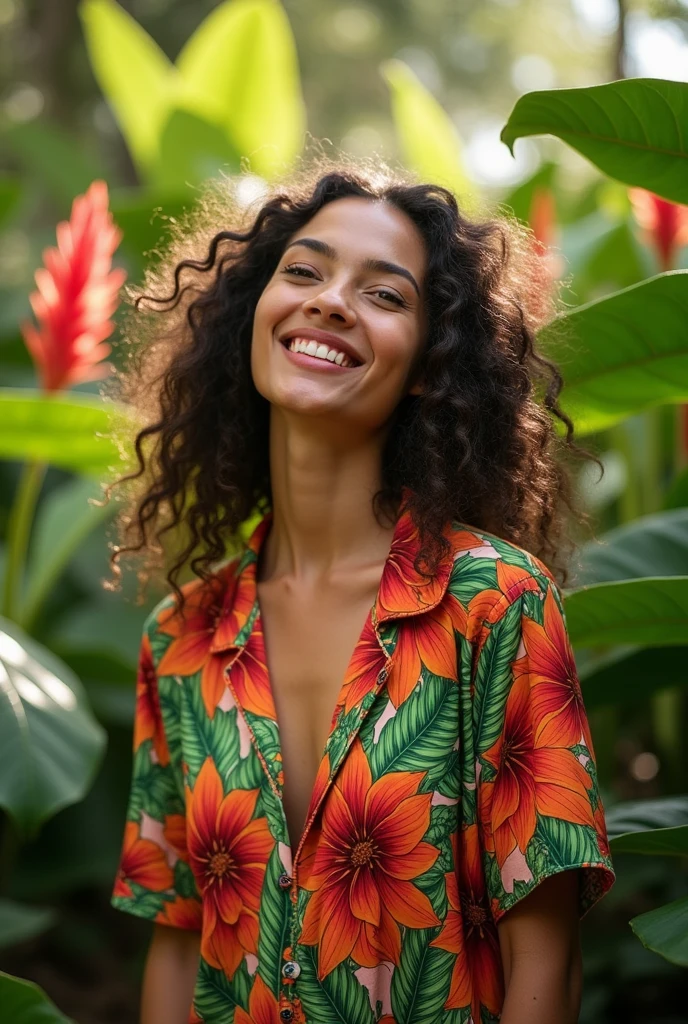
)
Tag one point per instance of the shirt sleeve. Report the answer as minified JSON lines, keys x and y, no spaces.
{"x":154,"y":879}
{"x":539,"y":806}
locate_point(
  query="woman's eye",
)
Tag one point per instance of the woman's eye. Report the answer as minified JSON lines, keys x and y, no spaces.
{"x":390,"y":296}
{"x":298,"y":271}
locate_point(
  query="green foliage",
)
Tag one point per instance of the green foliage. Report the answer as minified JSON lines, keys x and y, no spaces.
{"x":51,"y":744}
{"x":429,"y":142}
{"x":275,"y":916}
{"x":633,"y":130}
{"x":624,"y":677}
{"x":19,"y":922}
{"x":652,"y":611}
{"x":70,"y":432}
{"x":654,"y":545}
{"x":337,"y":999}
{"x":419,"y":982}
{"x":665,"y":931}
{"x":623,"y":353}
{"x":25,"y":1003}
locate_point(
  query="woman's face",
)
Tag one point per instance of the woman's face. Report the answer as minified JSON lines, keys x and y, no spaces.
{"x":340,"y":324}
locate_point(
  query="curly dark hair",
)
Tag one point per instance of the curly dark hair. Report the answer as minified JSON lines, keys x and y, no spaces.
{"x":479,"y":446}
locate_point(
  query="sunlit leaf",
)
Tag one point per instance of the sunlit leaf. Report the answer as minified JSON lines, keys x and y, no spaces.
{"x":634,"y":130}
{"x":623,"y":353}
{"x":51,"y":744}
{"x":191,"y":150}
{"x":240,"y":70}
{"x":64,"y":520}
{"x":665,"y":931}
{"x":134,"y":74}
{"x":23,"y":1002}
{"x":653,"y":612}
{"x":429,"y":142}
{"x":72,"y":432}
{"x":655,"y":545}
{"x":22,"y":921}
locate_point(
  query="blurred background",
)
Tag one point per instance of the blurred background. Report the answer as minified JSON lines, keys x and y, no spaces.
{"x":92,"y":91}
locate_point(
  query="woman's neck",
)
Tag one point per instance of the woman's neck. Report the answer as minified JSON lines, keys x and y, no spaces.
{"x":322,"y":495}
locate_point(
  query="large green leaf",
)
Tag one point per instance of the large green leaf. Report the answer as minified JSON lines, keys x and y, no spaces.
{"x":667,"y":842}
{"x":51,"y":744}
{"x":666,"y":812}
{"x":64,"y":520}
{"x":191,"y":150}
{"x":624,"y":676}
{"x":240,"y":70}
{"x":429,"y":142}
{"x":22,"y":921}
{"x":136,"y":77}
{"x":655,"y":545}
{"x":652,"y":611}
{"x":677,"y":495}
{"x":634,"y":130}
{"x":71,"y":431}
{"x":23,"y":1002}
{"x":623,"y":353}
{"x":665,"y":931}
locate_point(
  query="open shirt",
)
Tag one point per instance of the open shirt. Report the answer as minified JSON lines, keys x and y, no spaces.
{"x":458,"y":774}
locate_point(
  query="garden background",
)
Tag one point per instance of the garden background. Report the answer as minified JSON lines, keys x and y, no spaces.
{"x":153,"y":97}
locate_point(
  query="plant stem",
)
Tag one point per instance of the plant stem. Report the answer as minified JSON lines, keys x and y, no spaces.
{"x":18,"y":532}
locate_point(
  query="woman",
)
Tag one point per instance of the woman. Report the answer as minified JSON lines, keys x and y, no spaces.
{"x":355,"y":364}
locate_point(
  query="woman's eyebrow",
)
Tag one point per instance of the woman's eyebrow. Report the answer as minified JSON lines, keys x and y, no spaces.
{"x":370,"y":264}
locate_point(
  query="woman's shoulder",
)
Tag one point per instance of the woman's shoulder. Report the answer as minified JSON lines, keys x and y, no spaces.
{"x":487,"y":567}
{"x":202,"y":600}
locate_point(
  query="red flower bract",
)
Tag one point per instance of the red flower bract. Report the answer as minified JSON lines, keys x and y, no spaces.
{"x":77,"y":295}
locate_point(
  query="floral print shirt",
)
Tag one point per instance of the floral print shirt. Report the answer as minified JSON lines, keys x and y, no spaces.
{"x":458,"y":774}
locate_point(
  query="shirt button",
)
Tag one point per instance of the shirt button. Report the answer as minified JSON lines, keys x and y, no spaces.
{"x":291,"y":969}
{"x":286,"y":1015}
{"x":382,"y":675}
{"x":284,"y":881}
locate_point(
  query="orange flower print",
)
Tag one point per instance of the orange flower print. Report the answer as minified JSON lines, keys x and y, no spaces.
{"x":174,"y":831}
{"x":532,"y":778}
{"x":228,"y":853}
{"x":182,"y":913}
{"x":470,"y":933}
{"x":142,"y":862}
{"x":427,"y":639}
{"x":558,"y":712}
{"x":249,"y":678}
{"x":189,"y":652}
{"x":147,"y":721}
{"x":401,"y":579}
{"x":262,"y":1005}
{"x":367,"y":660}
{"x":360,"y":864}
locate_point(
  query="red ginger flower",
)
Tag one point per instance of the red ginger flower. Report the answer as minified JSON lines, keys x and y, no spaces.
{"x":77,"y":295}
{"x":664,"y":223}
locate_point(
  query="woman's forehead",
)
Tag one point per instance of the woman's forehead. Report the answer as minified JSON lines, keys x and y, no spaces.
{"x":359,"y":228}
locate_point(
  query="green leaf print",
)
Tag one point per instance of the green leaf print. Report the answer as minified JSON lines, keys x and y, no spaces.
{"x":558,"y":845}
{"x":493,"y":677}
{"x":159,"y":641}
{"x":471,"y":575}
{"x":338,"y":999}
{"x":204,"y":737}
{"x":420,"y":984}
{"x":152,"y":788}
{"x":422,"y":733}
{"x":216,"y":997}
{"x":184,"y":881}
{"x":275,"y":912}
{"x":143,"y":903}
{"x":462,"y":1016}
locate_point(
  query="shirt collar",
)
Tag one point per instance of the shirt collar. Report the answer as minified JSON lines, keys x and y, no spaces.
{"x":403,"y":591}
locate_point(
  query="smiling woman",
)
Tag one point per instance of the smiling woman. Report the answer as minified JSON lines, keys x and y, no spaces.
{"x":361,"y":751}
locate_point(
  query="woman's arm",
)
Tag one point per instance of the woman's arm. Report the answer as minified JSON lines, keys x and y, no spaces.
{"x":170,"y":975}
{"x":540,"y":946}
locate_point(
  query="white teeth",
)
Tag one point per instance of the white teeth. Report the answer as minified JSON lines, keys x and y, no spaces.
{"x":320,"y":351}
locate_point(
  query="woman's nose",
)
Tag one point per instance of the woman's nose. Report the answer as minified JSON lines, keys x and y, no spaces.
{"x":331,"y":304}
